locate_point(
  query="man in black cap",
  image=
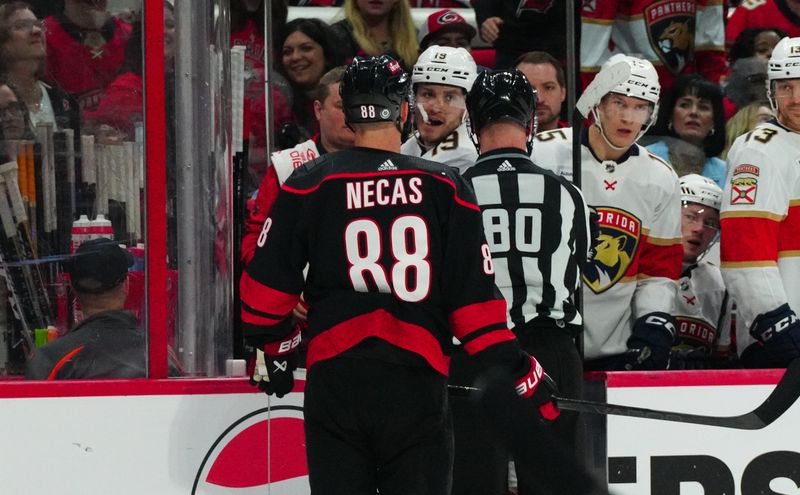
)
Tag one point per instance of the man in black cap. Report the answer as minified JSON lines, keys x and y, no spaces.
{"x":108,"y":343}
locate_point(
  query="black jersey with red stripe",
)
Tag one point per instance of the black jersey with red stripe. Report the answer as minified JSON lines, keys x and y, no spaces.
{"x":396,"y":255}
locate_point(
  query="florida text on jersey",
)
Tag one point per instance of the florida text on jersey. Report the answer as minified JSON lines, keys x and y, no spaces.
{"x":702,"y":311}
{"x":638,"y":258}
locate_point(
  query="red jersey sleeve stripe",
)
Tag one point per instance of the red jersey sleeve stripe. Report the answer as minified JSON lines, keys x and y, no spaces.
{"x":257,"y":319}
{"x":469,"y":319}
{"x":659,"y":260}
{"x":64,"y":360}
{"x":385,"y":326}
{"x":749,"y":239}
{"x":487,"y":340}
{"x":789,"y":237}
{"x":264,"y":300}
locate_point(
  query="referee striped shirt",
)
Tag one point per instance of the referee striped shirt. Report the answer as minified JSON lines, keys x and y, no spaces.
{"x":537,"y":228}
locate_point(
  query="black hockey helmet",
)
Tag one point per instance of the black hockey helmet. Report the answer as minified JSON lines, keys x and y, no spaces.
{"x":373,"y":90}
{"x":499,"y":95}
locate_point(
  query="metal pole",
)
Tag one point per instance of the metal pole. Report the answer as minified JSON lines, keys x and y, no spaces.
{"x":194,"y":144}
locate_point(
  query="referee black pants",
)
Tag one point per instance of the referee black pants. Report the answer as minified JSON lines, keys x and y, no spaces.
{"x":555,"y":349}
{"x":481,"y":461}
{"x":376,"y":426}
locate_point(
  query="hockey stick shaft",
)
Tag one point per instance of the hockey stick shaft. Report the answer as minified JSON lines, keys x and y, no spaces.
{"x":779,"y":401}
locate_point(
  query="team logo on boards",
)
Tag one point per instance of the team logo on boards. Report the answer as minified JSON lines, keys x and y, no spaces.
{"x":743,"y":190}
{"x":616,"y":247}
{"x":670,"y":28}
{"x":239,"y":460}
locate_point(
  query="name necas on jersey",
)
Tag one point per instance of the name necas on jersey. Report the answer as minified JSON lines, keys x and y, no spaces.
{"x":638,"y":255}
{"x":395,"y":253}
{"x":760,"y":224}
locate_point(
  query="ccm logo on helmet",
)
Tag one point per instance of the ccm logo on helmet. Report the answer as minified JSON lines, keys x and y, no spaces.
{"x":393,"y":66}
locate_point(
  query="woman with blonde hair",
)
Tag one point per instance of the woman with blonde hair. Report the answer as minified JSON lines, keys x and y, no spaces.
{"x":372,"y":27}
{"x":744,"y":121}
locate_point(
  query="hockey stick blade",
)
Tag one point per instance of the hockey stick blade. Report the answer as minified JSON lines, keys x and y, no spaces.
{"x":779,"y":401}
{"x":604,"y":81}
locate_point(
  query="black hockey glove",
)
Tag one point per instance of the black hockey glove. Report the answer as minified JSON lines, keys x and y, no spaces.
{"x":778,"y":336}
{"x":536,"y":385}
{"x":271,"y":363}
{"x":650,"y":342}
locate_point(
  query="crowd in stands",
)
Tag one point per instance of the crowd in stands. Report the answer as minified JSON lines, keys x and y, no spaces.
{"x":76,"y":65}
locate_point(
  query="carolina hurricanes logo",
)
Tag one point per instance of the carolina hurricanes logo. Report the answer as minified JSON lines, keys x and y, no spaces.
{"x":393,"y":66}
{"x":238,"y":461}
{"x":449,"y":17}
{"x":540,"y":6}
{"x":617,"y":243}
{"x":670,"y":27}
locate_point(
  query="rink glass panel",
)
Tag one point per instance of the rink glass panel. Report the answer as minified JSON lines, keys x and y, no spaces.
{"x":133,"y":174}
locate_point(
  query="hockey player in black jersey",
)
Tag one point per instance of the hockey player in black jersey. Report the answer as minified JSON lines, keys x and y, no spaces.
{"x":536,"y":226}
{"x":397,"y":266}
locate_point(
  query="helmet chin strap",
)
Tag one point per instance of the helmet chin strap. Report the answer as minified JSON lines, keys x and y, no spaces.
{"x":599,"y":124}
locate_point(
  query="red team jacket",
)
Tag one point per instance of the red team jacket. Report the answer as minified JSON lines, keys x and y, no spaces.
{"x":677,"y":36}
{"x":81,"y":70}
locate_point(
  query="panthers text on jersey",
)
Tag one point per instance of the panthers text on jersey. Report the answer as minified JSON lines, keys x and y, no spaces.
{"x":396,"y":254}
{"x":536,"y":225}
{"x":702,"y":311}
{"x":455,"y":150}
{"x":677,"y":36}
{"x":760,"y":221}
{"x":638,"y":258}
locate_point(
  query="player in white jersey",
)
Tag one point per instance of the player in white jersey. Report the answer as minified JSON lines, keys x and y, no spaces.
{"x":702,"y":309}
{"x":760,"y":246}
{"x":441,"y":79}
{"x":630,"y":285}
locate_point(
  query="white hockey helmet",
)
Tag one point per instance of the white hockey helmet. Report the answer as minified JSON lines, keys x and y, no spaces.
{"x":698,"y":189}
{"x":783,"y":64}
{"x":445,"y":65}
{"x":642,"y":82}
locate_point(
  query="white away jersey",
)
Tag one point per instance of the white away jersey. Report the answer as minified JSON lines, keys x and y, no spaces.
{"x":760,"y":221}
{"x":638,"y":259}
{"x":702,"y":310}
{"x":456,"y":150}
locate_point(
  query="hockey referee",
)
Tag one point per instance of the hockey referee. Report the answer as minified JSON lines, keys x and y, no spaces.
{"x":537,"y":228}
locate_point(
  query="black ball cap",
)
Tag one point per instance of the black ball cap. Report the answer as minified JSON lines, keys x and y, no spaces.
{"x":99,"y":265}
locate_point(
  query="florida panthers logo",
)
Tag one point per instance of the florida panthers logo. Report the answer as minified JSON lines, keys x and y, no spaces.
{"x":615,"y":250}
{"x":670,"y":27}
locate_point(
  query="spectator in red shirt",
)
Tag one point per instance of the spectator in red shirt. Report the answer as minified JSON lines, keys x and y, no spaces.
{"x":781,"y":14}
{"x":85,"y":49}
{"x":446,"y":28}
